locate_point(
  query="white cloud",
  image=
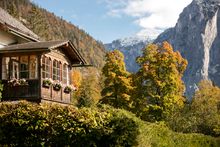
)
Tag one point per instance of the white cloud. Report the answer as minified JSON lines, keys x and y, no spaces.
{"x":152,"y":16}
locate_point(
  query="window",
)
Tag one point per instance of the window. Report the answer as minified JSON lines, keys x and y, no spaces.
{"x":33,"y":67}
{"x":64,"y":74}
{"x":59,"y":71}
{"x":56,"y":70}
{"x":46,"y":67}
{"x":24,"y":67}
{"x":14,"y":67}
{"x":19,"y":67}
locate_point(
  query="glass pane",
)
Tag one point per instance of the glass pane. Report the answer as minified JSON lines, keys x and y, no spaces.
{"x":33,"y":67}
{"x":24,"y":66}
{"x":54,"y":70}
{"x":14,"y":69}
{"x":65,"y":74}
{"x":49,"y":68}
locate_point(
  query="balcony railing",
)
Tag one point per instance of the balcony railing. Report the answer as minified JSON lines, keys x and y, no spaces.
{"x":30,"y":91}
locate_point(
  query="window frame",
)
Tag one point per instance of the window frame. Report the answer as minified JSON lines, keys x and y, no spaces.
{"x":65,"y":73}
{"x":9,"y":73}
{"x":46,"y":67}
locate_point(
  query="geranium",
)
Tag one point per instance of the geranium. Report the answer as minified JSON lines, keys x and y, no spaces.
{"x":57,"y":85}
{"x":48,"y":81}
{"x":69,"y":88}
{"x":17,"y":82}
{"x":23,"y":82}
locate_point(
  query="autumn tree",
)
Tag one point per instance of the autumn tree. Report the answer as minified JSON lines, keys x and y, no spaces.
{"x":38,"y":23}
{"x":88,"y":92}
{"x":117,"y":83}
{"x":88,"y":87}
{"x":159,"y":88}
{"x":202,"y":115}
{"x":206,"y":108}
{"x":76,"y":78}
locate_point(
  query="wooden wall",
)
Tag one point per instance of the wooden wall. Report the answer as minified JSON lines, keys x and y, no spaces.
{"x":49,"y":93}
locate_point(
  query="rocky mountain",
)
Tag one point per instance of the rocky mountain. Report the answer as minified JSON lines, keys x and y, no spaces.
{"x":131,"y":48}
{"x":197,"y":36}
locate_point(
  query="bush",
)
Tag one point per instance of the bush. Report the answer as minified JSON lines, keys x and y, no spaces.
{"x":28,"y":124}
{"x":202,"y":115}
{"x":157,"y":135}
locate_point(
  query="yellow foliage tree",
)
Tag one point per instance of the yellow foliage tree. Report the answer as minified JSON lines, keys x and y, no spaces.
{"x":76,"y":78}
{"x":159,"y":87}
{"x":117,"y":83}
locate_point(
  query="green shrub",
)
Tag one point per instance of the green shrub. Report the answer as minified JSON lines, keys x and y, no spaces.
{"x":53,"y":125}
{"x":157,"y":135}
{"x":28,"y":124}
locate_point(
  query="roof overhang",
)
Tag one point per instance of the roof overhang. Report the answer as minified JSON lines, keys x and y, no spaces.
{"x":18,"y":32}
{"x":22,"y":35}
{"x":14,"y":26}
{"x":45,"y":47}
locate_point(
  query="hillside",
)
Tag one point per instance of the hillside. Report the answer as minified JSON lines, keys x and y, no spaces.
{"x":50,"y":27}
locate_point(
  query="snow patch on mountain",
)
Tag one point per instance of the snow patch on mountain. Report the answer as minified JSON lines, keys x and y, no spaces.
{"x":131,"y":47}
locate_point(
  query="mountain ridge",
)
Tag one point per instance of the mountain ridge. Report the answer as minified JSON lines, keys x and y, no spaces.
{"x":131,"y":47}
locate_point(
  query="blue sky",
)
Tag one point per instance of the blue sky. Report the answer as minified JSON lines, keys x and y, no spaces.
{"x":107,"y":20}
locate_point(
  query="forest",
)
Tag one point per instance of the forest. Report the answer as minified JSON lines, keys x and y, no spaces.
{"x":112,"y":107}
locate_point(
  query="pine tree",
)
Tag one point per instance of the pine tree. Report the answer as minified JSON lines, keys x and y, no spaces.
{"x":159,"y":88}
{"x":12,"y":9}
{"x":88,"y":92}
{"x":117,"y":83}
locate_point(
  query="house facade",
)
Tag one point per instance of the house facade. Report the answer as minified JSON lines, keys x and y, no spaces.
{"x":34,"y":70}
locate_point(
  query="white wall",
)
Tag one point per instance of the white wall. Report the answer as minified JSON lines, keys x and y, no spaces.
{"x":7,"y":38}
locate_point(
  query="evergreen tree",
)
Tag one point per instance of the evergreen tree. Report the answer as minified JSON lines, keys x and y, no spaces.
{"x":88,"y":87}
{"x":159,"y":88}
{"x":12,"y":9}
{"x":117,"y":83}
{"x":88,"y":93}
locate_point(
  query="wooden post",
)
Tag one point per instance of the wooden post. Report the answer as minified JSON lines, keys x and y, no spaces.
{"x":39,"y":76}
{"x":1,"y":68}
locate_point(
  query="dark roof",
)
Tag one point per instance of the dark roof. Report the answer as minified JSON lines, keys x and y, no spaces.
{"x":35,"y":45}
{"x":14,"y":25}
{"x":68,"y":48}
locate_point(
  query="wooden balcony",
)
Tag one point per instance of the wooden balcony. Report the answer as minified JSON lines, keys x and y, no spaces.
{"x":26,"y":92}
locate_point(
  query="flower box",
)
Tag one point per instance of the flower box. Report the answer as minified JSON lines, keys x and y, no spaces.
{"x":57,"y":86}
{"x":17,"y":82}
{"x":69,"y":89}
{"x":47,"y":82}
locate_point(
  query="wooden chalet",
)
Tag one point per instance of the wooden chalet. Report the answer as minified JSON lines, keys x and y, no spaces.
{"x":33,"y":70}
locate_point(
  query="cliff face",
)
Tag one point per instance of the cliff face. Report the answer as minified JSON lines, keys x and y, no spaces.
{"x":131,"y":48}
{"x":197,"y":36}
